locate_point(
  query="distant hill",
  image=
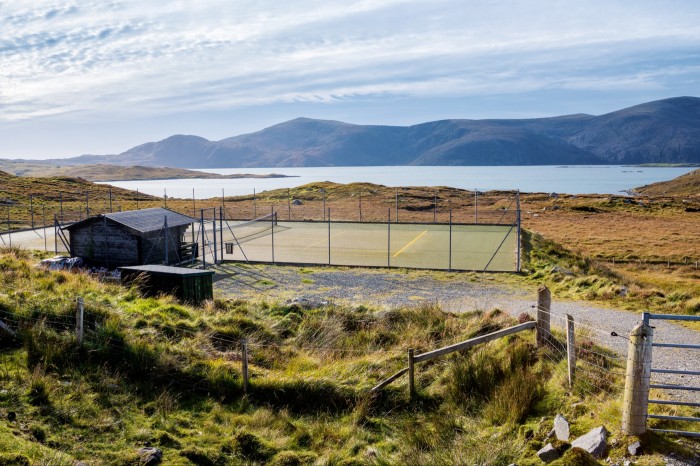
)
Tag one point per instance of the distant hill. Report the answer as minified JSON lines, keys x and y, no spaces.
{"x":664,"y":131}
{"x":104,"y":172}
{"x":684,"y":185}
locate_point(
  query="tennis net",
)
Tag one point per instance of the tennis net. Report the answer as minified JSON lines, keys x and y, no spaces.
{"x":252,"y":229}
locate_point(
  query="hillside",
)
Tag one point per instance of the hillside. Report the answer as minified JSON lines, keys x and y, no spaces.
{"x":684,"y":185}
{"x":665,"y":131}
{"x":104,"y":172}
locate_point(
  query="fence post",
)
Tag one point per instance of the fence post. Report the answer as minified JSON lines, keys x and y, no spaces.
{"x":637,"y":380}
{"x":360,"y":206}
{"x":204,"y":241}
{"x":43,"y":221}
{"x":388,"y":239}
{"x":544,"y":304}
{"x":397,"y":205}
{"x":570,"y":349}
{"x":31,"y":208}
{"x":411,"y":382}
{"x":449,"y":266}
{"x":79,"y":314}
{"x":329,"y":236}
{"x":517,"y":212}
{"x":244,"y":363}
{"x":272,"y":231}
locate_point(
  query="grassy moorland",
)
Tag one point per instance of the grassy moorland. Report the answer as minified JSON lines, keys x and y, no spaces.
{"x":106,"y":172}
{"x":633,"y":252}
{"x":153,"y":372}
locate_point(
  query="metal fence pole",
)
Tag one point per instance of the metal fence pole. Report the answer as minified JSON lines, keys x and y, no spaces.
{"x":60,"y":200}
{"x":31,"y":208}
{"x":55,"y":234}
{"x":388,"y":240}
{"x":476,"y":204}
{"x":360,"y":206}
{"x":637,"y":380}
{"x":9,"y":234}
{"x":289,"y":205}
{"x":571,"y":349}
{"x":329,"y":236}
{"x":435,"y":208}
{"x":517,"y":213}
{"x":450,"y":252}
{"x":324,"y":203}
{"x":194,"y":208}
{"x":397,"y":206}
{"x":43,"y":221}
{"x":213,"y":220}
{"x":272,"y":231}
{"x":87,"y":205}
{"x":110,"y":199}
{"x":221,"y":232}
{"x":255,"y":205}
{"x":204,"y":245}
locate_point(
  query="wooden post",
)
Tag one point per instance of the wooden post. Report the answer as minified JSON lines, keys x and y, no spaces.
{"x":411,"y":382}
{"x":637,"y":380}
{"x":244,"y":363}
{"x":79,"y":314}
{"x":544,"y":304}
{"x":570,"y":349}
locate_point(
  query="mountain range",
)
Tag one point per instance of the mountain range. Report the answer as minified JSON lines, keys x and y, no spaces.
{"x":663,"y":131}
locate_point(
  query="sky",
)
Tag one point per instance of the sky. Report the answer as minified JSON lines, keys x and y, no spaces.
{"x":99,"y":76}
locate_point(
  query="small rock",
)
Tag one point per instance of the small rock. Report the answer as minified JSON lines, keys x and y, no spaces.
{"x":150,"y":455}
{"x":635,"y":449}
{"x":554,"y":195}
{"x":594,"y":442}
{"x":548,"y":453}
{"x":561,"y":428}
{"x":11,"y":416}
{"x":297,"y":202}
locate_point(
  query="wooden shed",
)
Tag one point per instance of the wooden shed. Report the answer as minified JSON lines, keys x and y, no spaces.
{"x":134,"y":237}
{"x":188,"y":285}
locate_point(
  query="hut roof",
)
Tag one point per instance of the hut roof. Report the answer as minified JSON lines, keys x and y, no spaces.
{"x":142,"y":221}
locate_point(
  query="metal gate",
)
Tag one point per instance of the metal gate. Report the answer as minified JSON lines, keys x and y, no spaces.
{"x":686,"y":388}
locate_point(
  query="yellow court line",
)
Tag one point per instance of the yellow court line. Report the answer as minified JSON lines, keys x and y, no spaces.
{"x":325,"y":240}
{"x":414,"y":240}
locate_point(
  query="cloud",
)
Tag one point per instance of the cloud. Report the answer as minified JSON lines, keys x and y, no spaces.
{"x":161,"y":57}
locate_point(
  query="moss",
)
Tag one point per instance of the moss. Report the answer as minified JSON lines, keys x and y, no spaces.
{"x":576,"y":457}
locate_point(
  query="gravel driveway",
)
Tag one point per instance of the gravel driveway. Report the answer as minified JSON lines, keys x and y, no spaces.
{"x":455,"y":292}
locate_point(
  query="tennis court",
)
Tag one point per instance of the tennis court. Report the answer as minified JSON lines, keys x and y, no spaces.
{"x":412,"y":245}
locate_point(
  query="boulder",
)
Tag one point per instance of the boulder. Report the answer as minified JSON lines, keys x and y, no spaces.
{"x":635,"y":449}
{"x":297,"y":202}
{"x":561,"y":428}
{"x":548,"y":453}
{"x":150,"y":455}
{"x":594,"y":442}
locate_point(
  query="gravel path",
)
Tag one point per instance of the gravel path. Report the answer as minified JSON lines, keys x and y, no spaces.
{"x":457,"y":292}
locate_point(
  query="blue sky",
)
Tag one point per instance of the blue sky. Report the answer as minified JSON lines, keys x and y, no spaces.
{"x":99,"y":76}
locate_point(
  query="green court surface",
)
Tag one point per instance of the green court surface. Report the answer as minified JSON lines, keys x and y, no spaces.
{"x":423,"y":246}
